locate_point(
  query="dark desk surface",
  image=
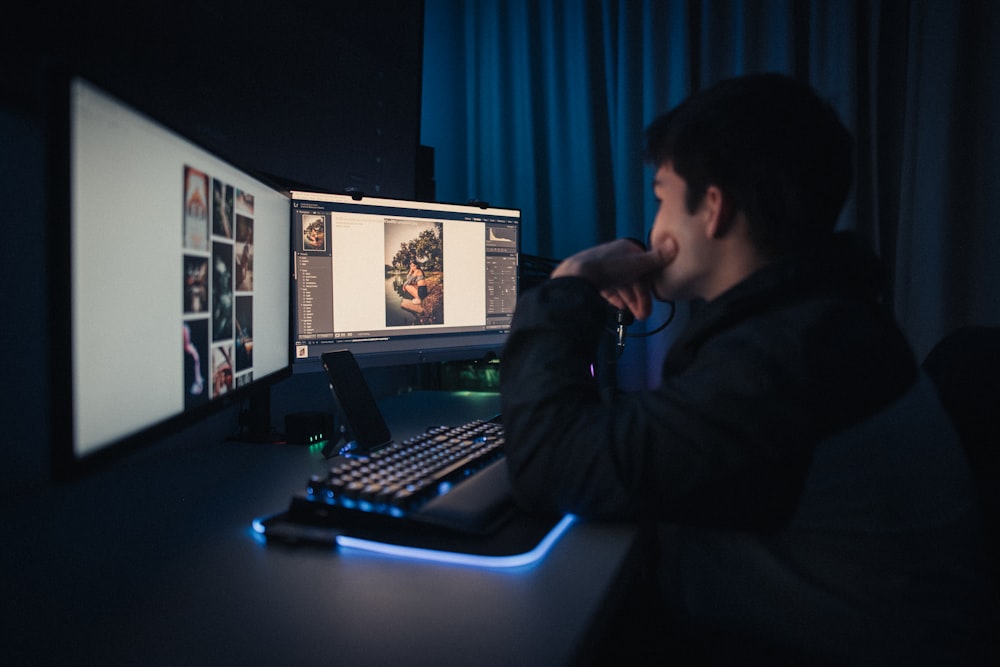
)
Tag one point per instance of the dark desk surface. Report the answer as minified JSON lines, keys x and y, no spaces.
{"x":155,"y":562}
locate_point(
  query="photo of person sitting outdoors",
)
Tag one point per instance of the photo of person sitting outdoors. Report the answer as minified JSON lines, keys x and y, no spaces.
{"x":414,"y":273}
{"x":416,"y":283}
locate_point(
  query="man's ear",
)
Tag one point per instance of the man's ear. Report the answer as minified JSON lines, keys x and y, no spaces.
{"x":718,"y":212}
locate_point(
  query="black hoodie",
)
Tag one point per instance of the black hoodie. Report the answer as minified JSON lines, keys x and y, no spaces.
{"x":809,"y":496}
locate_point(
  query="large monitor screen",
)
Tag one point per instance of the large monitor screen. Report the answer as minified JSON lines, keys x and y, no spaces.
{"x":171,"y":275}
{"x":401,"y":282}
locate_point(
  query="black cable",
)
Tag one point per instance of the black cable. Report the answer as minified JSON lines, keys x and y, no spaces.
{"x":670,"y":318}
{"x":623,"y":318}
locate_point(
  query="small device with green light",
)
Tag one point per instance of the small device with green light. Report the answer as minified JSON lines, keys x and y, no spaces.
{"x":308,"y":428}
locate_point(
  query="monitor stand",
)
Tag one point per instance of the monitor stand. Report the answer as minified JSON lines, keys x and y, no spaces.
{"x":255,"y":419}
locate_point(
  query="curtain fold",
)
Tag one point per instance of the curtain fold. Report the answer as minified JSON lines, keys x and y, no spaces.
{"x":541,"y":105}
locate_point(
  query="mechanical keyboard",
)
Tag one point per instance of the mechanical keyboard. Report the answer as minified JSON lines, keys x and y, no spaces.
{"x":452,"y":477}
{"x":400,"y":477}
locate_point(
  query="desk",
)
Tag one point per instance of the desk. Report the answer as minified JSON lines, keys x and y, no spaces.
{"x":176,"y":576}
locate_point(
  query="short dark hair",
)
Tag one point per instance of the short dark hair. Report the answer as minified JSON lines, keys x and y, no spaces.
{"x":776,"y":150}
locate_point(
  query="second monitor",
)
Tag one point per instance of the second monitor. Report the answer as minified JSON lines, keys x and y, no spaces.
{"x":401,"y":282}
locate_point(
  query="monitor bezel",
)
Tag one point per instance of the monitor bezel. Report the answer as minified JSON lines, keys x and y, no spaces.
{"x":439,"y":348}
{"x":65,"y":463}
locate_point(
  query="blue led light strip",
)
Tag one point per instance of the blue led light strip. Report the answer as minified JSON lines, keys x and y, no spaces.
{"x":456,"y":558}
{"x":258,"y":526}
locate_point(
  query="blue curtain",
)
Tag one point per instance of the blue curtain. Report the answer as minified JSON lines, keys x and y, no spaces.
{"x":541,"y":105}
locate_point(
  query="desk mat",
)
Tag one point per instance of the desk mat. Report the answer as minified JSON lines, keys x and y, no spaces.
{"x":518,"y":541}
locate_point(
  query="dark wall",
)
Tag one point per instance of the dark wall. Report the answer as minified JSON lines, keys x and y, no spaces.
{"x":317,"y":93}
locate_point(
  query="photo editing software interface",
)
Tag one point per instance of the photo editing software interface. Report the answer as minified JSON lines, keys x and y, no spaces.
{"x":179,"y":286}
{"x":399,"y":281}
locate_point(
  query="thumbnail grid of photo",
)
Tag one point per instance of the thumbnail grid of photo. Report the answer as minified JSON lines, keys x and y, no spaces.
{"x":217,"y":322}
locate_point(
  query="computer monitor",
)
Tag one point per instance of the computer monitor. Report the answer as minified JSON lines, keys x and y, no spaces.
{"x":401,"y":282}
{"x":170,"y":278}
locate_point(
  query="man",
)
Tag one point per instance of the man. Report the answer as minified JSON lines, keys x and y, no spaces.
{"x":789,"y":349}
